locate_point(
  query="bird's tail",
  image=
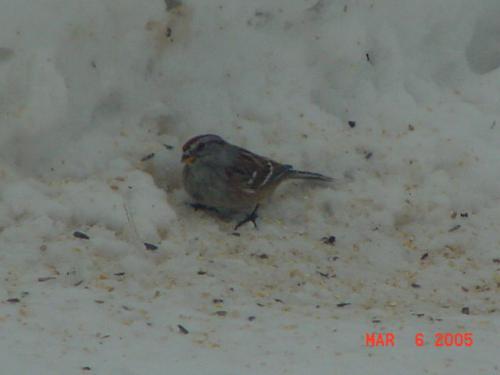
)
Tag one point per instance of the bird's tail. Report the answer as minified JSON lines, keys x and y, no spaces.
{"x":308,"y":176}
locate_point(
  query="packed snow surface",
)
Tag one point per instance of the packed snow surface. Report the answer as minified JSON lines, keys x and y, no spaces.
{"x":398,"y":100}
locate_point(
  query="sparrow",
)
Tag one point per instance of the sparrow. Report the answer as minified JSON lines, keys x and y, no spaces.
{"x":221,"y":176}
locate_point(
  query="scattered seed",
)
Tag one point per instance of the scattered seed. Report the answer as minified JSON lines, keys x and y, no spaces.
{"x":454,"y":228}
{"x":236,"y":234}
{"x":278,"y":300}
{"x":42,"y":279}
{"x":376,"y":321}
{"x":221,"y":313}
{"x":330,"y":240}
{"x":324,"y":274}
{"x":81,"y":235}
{"x":465,"y":310}
{"x":368,"y":57}
{"x":352,"y":124}
{"x":99,"y":301}
{"x":201,"y":272}
{"x":150,"y":246}
{"x":493,"y":124}
{"x":78,"y":283}
{"x":411,"y":127}
{"x":13,"y":300}
{"x":251,"y":318}
{"x":482,"y":288}
{"x":182,"y":330}
{"x":368,"y":155}
{"x":424,"y":256}
{"x":168,"y":147}
{"x":415,"y":285}
{"x":119,"y":274}
{"x":260,"y":304}
{"x":168,"y":32}
{"x":86,"y":368}
{"x":465,"y":289}
{"x":496,"y":260}
{"x":343,"y":304}
{"x":126,"y":308}
{"x":263,"y":256}
{"x":464,"y":214}
{"x":217,"y":300}
{"x":148,"y":157}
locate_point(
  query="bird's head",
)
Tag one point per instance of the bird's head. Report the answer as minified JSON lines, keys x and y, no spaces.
{"x":199,"y":147}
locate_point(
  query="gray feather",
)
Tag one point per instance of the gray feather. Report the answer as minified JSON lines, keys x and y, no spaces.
{"x":304,"y":175}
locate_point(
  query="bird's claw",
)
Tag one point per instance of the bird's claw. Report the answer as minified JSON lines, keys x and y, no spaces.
{"x":199,"y":206}
{"x":251,"y":217}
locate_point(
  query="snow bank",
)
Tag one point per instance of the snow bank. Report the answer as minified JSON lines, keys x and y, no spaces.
{"x":397,"y":100}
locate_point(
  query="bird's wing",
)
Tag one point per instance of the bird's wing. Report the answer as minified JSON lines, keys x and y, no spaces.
{"x":251,"y":172}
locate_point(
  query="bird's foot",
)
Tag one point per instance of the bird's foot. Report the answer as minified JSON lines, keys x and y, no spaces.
{"x":251,"y":217}
{"x":199,"y":206}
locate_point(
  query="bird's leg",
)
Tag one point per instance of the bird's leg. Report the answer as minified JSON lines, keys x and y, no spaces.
{"x":199,"y":206}
{"x":251,"y":217}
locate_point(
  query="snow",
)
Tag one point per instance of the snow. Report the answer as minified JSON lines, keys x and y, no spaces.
{"x":397,"y":100}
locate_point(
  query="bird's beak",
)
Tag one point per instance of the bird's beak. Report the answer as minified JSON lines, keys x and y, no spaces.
{"x":188,"y":159}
